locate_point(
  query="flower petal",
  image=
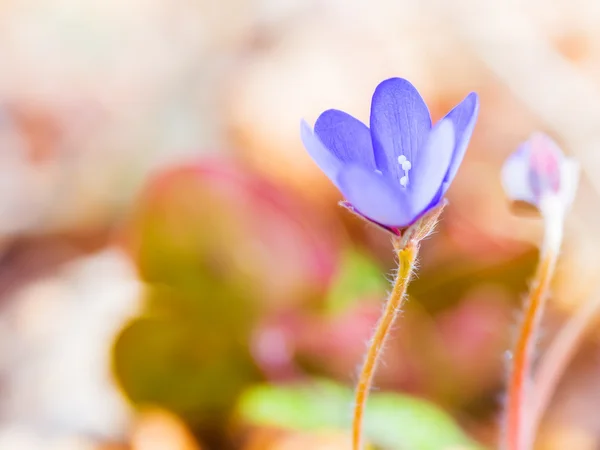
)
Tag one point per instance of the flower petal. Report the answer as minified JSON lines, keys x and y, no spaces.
{"x":428,"y":174}
{"x":515,"y":175}
{"x":400,"y":122}
{"x":376,"y":197}
{"x":327,"y":161}
{"x":346,"y":137}
{"x":463,"y":116}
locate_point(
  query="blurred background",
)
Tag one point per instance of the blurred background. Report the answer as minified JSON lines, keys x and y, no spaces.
{"x":175,"y":272}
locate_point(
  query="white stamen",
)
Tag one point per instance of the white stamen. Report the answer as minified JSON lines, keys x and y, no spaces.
{"x":378,"y":172}
{"x":406,"y":166}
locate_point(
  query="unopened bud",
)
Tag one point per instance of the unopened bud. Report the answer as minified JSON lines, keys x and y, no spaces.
{"x":540,"y":174}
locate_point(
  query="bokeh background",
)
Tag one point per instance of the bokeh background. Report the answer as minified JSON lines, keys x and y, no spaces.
{"x":175,"y":272}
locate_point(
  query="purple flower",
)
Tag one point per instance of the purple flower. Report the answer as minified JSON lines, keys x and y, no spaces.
{"x":540,"y":174}
{"x":401,"y":166}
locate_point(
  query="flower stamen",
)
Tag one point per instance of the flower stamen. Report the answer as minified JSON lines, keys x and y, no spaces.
{"x":406,"y":166}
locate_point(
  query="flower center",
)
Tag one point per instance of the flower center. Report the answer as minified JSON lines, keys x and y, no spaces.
{"x":406,"y":166}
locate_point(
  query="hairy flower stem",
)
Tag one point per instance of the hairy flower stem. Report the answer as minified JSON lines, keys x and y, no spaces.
{"x":518,"y":430}
{"x":406,"y":261}
{"x":558,"y":355}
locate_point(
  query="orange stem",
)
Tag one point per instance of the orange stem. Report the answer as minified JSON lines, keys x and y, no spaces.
{"x":406,"y":260}
{"x":518,"y":432}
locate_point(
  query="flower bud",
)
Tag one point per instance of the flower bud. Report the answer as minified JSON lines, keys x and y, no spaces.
{"x":540,"y":174}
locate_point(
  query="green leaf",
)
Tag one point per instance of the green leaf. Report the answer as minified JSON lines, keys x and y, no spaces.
{"x":392,"y":421}
{"x":192,"y":370}
{"x":401,"y":421}
{"x":306,"y":407}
